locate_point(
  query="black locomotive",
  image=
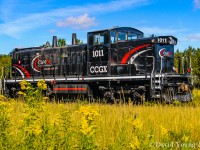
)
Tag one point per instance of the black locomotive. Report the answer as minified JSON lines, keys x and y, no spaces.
{"x":116,"y":63}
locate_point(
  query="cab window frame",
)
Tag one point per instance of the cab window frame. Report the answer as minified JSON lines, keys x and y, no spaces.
{"x":100,"y":38}
{"x":122,"y":37}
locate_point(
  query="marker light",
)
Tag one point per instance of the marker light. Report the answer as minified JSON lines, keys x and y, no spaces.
{"x":188,"y":70}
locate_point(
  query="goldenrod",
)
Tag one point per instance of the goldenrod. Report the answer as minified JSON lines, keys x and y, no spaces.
{"x":163,"y":131}
{"x":185,"y":138}
{"x":135,"y":144}
{"x":42,"y":85}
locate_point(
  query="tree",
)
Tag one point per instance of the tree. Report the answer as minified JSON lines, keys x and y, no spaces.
{"x":78,"y":41}
{"x":194,"y":54}
{"x":5,"y":61}
{"x":61,"y":42}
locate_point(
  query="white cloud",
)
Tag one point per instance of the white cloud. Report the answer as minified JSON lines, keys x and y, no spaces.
{"x":197,"y":4}
{"x":193,"y":37}
{"x":79,"y":22}
{"x":17,"y":26}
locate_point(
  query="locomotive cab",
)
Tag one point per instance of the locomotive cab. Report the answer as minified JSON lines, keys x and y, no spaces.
{"x":108,"y":51}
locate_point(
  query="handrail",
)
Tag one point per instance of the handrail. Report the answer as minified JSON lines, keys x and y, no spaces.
{"x":183,"y":63}
{"x":152,"y":72}
{"x":160,"y":71}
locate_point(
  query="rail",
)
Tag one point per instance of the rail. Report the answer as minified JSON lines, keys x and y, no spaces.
{"x":152,"y":72}
{"x":185,"y":66}
{"x":160,"y":75}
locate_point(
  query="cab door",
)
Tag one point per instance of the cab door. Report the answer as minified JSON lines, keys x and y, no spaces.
{"x":98,"y":53}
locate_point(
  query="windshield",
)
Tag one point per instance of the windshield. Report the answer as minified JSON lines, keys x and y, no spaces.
{"x":123,"y":36}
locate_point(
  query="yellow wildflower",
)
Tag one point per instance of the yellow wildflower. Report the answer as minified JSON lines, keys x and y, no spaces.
{"x":45,"y":98}
{"x":2,"y":97}
{"x":42,"y":85}
{"x":21,"y":93}
{"x":25,"y":85}
{"x":88,"y":115}
{"x":185,"y":138}
{"x":135,"y":144}
{"x":137,"y":124}
{"x":164,"y":132}
{"x":89,"y":112}
{"x":55,"y":120}
{"x":37,"y":130}
{"x":3,"y":104}
{"x":86,"y":129}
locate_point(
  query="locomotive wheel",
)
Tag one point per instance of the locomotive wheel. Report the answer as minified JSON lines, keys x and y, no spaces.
{"x":169,"y":95}
{"x":108,"y":97}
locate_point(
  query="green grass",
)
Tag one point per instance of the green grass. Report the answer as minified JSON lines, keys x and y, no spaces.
{"x":83,"y":125}
{"x":116,"y":126}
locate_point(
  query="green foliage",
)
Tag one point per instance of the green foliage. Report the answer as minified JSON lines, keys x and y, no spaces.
{"x":32,"y":96}
{"x":61,"y":42}
{"x":79,"y":41}
{"x":5,"y":60}
{"x":194,"y":54}
{"x":97,"y":126}
{"x":4,"y":125}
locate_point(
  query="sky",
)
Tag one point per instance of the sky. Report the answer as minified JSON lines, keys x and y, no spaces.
{"x":28,"y":23}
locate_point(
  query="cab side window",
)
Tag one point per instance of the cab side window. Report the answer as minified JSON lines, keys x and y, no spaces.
{"x":132,"y":36}
{"x":113,"y":37}
{"x":100,"y":38}
{"x":122,"y":36}
{"x":102,"y":41}
{"x":96,"y":39}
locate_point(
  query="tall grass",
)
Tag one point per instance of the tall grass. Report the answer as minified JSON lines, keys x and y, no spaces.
{"x":67,"y":126}
{"x":25,"y":124}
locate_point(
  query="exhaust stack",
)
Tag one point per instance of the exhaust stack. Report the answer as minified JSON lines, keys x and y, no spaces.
{"x":74,"y":42}
{"x":54,"y":42}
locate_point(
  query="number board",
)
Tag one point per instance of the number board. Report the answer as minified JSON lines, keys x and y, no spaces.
{"x":98,"y":53}
{"x":166,"y":40}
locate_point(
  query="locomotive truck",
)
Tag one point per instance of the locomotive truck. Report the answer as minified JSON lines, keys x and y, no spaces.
{"x":116,"y":63}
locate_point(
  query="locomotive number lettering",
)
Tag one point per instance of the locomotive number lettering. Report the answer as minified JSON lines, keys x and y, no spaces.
{"x":97,"y":53}
{"x":98,"y":69}
{"x":162,"y":40}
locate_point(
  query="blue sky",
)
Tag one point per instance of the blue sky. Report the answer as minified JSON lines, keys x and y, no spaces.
{"x":32,"y":23}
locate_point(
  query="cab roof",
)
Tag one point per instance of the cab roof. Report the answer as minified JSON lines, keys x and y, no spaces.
{"x":120,"y":29}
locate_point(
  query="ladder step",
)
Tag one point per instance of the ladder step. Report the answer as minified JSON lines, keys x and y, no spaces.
{"x":156,"y":81}
{"x":156,"y":96}
{"x":157,"y":87}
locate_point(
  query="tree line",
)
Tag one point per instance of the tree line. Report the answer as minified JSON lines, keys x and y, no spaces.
{"x":185,"y":58}
{"x":5,"y":60}
{"x":193,"y":53}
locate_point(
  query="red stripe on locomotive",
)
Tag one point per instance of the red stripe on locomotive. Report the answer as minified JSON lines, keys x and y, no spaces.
{"x":127,"y":56}
{"x":23,"y":70}
{"x":69,"y":89}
